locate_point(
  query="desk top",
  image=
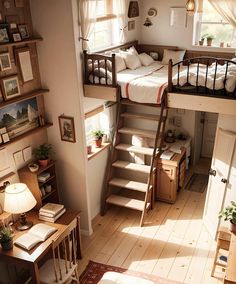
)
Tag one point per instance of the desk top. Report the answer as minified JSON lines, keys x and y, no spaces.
{"x":41,"y":249}
{"x":175,"y":160}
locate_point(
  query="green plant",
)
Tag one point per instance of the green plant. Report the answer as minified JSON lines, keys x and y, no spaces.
{"x":229,"y":213}
{"x":5,"y":235}
{"x":97,"y":134}
{"x":43,"y":151}
{"x":210,"y":37}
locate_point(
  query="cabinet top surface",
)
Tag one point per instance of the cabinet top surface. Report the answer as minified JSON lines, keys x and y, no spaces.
{"x":40,"y":170}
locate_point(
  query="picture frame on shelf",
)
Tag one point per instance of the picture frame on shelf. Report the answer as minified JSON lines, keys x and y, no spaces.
{"x":16,"y":37}
{"x":23,"y":30}
{"x":5,"y":137}
{"x":67,"y":128}
{"x":19,"y":3}
{"x":4,"y":33}
{"x":10,"y":87}
{"x":5,"y":61}
{"x":23,"y":58}
{"x":13,"y":21}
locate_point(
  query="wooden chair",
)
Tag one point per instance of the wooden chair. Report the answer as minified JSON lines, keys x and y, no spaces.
{"x":223,"y":242}
{"x":62,"y":268}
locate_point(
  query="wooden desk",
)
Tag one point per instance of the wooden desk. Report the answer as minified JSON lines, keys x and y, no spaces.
{"x":230,"y":272}
{"x":29,"y":259}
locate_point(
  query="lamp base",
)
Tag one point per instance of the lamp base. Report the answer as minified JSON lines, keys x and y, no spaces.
{"x":24,"y":224}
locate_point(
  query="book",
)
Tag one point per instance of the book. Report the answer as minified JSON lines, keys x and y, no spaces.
{"x":167,"y":155}
{"x":51,"y":215}
{"x":51,"y":208}
{"x":38,"y":233}
{"x":43,"y":177}
{"x":176,"y":149}
{"x":52,"y":219}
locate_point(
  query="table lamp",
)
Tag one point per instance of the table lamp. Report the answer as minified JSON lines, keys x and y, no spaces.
{"x":18,"y":200}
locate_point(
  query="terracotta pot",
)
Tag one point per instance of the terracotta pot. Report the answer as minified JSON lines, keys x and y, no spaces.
{"x":98,"y":143}
{"x":209,"y":42}
{"x":8,"y":245}
{"x":43,"y":163}
{"x":201,"y":42}
{"x":232,"y":227}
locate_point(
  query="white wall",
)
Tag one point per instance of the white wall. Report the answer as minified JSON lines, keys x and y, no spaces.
{"x":59,"y":54}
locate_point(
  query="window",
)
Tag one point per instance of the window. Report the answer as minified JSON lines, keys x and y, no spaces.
{"x":106,"y":32}
{"x":212,"y":24}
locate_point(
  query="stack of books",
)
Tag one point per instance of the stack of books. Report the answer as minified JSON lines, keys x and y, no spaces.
{"x":43,"y":177}
{"x":51,"y":212}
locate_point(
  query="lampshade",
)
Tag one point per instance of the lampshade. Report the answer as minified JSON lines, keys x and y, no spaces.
{"x":190,"y":7}
{"x":18,"y":199}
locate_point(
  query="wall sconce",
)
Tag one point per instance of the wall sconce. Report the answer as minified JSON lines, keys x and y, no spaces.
{"x":148,"y":22}
{"x":190,"y":7}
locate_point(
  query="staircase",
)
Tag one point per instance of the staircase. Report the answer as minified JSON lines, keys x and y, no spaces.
{"x":131,"y":173}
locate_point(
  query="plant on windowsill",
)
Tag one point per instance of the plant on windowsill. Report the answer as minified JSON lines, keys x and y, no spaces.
{"x":209,"y":39}
{"x":6,"y":238}
{"x":201,"y":41}
{"x":42,"y":154}
{"x":229,"y":214}
{"x":97,"y":135}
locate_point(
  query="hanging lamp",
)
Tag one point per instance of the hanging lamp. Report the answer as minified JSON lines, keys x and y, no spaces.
{"x":190,"y":7}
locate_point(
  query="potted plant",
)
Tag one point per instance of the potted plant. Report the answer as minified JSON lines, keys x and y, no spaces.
{"x":229,"y":214}
{"x":98,"y":134}
{"x":6,"y":238}
{"x":209,"y":40}
{"x":42,"y":154}
{"x":201,"y":41}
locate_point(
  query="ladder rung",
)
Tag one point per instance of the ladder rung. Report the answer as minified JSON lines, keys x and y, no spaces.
{"x":129,"y":184}
{"x":129,"y":102}
{"x":134,"y":115}
{"x":126,"y":202}
{"x":136,"y":131}
{"x":135,"y":149}
{"x":132,"y":166}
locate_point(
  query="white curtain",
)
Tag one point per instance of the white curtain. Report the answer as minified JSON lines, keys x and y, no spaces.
{"x":227,"y":10}
{"x":87,"y":11}
{"x":120,"y":10}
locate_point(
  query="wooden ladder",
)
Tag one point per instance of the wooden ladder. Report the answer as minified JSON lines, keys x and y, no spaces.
{"x":130,"y":184}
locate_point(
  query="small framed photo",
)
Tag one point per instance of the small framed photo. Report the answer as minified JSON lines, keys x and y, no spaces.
{"x":131,"y":25}
{"x":67,"y":128}
{"x":23,"y":29}
{"x":5,"y":61}
{"x":11,"y":87}
{"x":16,"y":37}
{"x":4,"y":34}
{"x":5,"y":137}
{"x":24,"y":62}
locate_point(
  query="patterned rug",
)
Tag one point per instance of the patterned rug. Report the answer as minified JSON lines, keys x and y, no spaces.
{"x":94,"y":272}
{"x":198,"y":183}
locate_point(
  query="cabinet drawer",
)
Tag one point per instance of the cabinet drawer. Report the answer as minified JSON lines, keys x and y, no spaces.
{"x":169,"y":171}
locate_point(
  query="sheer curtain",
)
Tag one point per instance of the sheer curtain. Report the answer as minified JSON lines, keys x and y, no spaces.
{"x":120,"y":10}
{"x":227,"y":10}
{"x":87,"y":11}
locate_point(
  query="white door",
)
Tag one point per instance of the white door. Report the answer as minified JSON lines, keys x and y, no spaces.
{"x":209,"y":132}
{"x":219,"y":175}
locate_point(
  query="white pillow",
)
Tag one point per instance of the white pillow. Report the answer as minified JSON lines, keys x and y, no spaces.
{"x":145,"y":59}
{"x":120,"y":63}
{"x":132,"y":50}
{"x":131,"y":60}
{"x":175,"y":55}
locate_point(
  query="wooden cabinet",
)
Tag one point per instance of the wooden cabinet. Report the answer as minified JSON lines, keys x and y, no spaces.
{"x":170,"y":177}
{"x":31,"y":179}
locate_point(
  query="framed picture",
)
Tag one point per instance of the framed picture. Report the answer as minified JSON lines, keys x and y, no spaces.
{"x":67,"y":128}
{"x":178,"y":17}
{"x":22,"y":117}
{"x":5,"y":61}
{"x":133,"y":9}
{"x":11,"y":87}
{"x":23,"y":29}
{"x":13,"y":21}
{"x":19,"y":3}
{"x":131,"y":25}
{"x":4,"y":34}
{"x":23,"y":59}
{"x":16,"y":37}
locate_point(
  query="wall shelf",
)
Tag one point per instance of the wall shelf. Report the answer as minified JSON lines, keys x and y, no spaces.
{"x":24,"y":97}
{"x":10,"y":44}
{"x":29,"y":133}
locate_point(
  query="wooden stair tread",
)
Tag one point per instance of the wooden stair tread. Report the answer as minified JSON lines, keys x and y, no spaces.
{"x":129,"y":184}
{"x":135,"y":115}
{"x":135,"y":149}
{"x":129,"y":102}
{"x":136,"y":131}
{"x":126,"y":202}
{"x":132,"y":166}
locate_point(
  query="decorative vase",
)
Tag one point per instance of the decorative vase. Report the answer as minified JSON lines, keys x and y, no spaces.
{"x":232,"y":227}
{"x":43,"y":163}
{"x":7,"y":245}
{"x":98,"y":143}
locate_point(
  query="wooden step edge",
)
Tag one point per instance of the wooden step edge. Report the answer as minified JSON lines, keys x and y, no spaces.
{"x":150,"y":117}
{"x":134,"y":149}
{"x":126,"y":202}
{"x":129,"y":184}
{"x":129,"y":102}
{"x":139,"y":132}
{"x":132,"y":166}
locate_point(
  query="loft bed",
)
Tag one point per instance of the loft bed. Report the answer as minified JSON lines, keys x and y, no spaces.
{"x":199,"y":82}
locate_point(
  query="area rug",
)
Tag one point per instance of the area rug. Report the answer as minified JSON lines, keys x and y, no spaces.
{"x":198,"y":183}
{"x":94,"y":272}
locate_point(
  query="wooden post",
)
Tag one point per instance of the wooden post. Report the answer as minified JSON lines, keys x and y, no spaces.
{"x":114,"y":81}
{"x":86,"y":77}
{"x":170,"y":73}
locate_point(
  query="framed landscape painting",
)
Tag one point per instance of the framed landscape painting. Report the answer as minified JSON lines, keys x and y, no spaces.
{"x":11,"y":87}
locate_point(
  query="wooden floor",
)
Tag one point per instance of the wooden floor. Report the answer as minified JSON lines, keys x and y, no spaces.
{"x":173,"y":244}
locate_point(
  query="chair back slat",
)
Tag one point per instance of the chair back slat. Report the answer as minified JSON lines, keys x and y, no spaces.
{"x":65,"y":254}
{"x":54,"y":265}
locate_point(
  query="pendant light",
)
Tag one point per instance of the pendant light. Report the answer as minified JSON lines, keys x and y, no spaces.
{"x":190,"y":7}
